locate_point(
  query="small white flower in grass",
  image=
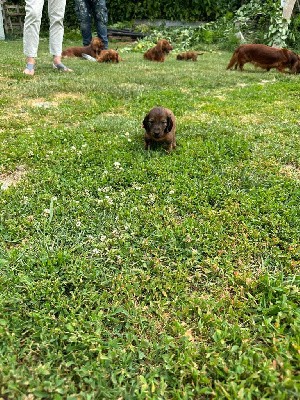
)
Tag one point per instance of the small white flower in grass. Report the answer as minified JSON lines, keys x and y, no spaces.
{"x":47,"y":211}
{"x":152,"y":197}
{"x":78,"y":224}
{"x":126,"y":134}
{"x":129,"y":140}
{"x":171,"y":191}
{"x":109,"y":200}
{"x":102,"y":238}
{"x":104,"y":189}
{"x":73,"y":148}
{"x":117,"y":164}
{"x":95,"y":251}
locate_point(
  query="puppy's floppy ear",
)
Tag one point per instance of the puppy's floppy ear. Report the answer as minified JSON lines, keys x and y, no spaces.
{"x":169,"y":125}
{"x":146,"y":122}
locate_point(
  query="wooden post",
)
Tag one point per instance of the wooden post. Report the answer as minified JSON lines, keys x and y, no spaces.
{"x":2,"y":35}
{"x":287,"y":8}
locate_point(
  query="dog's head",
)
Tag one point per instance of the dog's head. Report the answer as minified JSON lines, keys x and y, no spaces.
{"x":97,"y":44}
{"x":109,"y":56}
{"x":164,"y":45}
{"x":157,"y":123}
{"x":180,"y":57}
{"x":114,"y":56}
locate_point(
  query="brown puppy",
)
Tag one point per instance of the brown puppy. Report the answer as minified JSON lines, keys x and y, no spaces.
{"x":160,"y":127}
{"x":93,"y":49}
{"x":108,"y":56}
{"x":265,"y":57}
{"x":158,"y":52}
{"x":188,"y":55}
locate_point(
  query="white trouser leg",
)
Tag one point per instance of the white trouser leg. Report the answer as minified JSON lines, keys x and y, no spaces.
{"x":32,"y":26}
{"x":56,"y":11}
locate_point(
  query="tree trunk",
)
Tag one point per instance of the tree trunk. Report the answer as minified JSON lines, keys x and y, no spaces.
{"x":288,"y":6}
{"x":2,"y":36}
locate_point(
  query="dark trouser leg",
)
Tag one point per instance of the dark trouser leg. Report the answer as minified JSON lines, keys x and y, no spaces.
{"x":83,"y":12}
{"x":101,"y":18}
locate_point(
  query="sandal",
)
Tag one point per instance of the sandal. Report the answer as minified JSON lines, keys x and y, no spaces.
{"x":29,"y":69}
{"x":61,"y":67}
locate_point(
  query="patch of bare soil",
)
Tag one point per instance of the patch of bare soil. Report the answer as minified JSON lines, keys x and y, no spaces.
{"x":12,"y":178}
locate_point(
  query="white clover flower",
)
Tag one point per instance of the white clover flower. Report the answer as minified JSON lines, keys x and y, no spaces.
{"x":47,"y":211}
{"x":152,"y":197}
{"x":73,"y":148}
{"x":95,"y":251}
{"x":117,"y":164}
{"x":109,"y":200}
{"x":102,"y":238}
{"x":78,"y":224}
{"x":171,"y":191}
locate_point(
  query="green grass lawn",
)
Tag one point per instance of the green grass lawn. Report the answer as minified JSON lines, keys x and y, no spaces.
{"x":133,"y":274}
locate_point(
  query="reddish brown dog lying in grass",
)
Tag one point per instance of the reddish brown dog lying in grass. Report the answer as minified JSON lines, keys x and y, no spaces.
{"x":160,"y":127}
{"x":265,"y":57}
{"x":158,"y":52}
{"x":188,"y":55}
{"x":93,"y":49}
{"x":108,"y":56}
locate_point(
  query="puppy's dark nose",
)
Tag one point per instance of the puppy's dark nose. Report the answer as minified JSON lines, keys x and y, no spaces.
{"x":156,"y":134}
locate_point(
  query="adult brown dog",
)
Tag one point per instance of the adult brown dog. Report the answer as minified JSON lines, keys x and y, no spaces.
{"x":188,"y":55}
{"x":158,"y":52}
{"x":93,"y":49}
{"x":160,"y":127}
{"x":108,"y":56}
{"x":265,"y":57}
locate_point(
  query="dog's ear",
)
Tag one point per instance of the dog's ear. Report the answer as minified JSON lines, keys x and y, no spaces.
{"x":169,"y":125}
{"x":159,"y":46}
{"x":146,"y":122}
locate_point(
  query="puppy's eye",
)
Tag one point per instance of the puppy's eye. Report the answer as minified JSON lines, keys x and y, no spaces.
{"x":164,"y":122}
{"x":151,"y":121}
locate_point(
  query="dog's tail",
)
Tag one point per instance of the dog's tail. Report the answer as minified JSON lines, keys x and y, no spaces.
{"x":233,"y":60}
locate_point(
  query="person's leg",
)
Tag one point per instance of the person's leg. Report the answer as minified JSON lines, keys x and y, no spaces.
{"x":56,"y":12}
{"x":101,"y":19}
{"x":83,"y":12}
{"x":32,"y":24}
